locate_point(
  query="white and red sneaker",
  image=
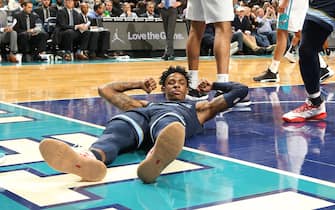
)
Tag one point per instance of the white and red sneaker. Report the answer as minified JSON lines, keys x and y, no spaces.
{"x":306,"y":112}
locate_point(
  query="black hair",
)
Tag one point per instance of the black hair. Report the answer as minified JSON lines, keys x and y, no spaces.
{"x":97,"y":6}
{"x":24,"y":3}
{"x":171,"y":70}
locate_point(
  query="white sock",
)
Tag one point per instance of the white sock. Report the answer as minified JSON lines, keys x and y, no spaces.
{"x":274,"y":66}
{"x":222,"y":77}
{"x":322,"y":62}
{"x":314,"y":95}
{"x":193,"y":74}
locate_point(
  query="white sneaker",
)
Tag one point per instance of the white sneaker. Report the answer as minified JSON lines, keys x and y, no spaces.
{"x":291,"y":57}
{"x":305,"y":112}
{"x":233,"y":48}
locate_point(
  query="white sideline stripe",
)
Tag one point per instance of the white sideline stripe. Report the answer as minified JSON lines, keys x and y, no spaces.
{"x":278,"y":201}
{"x":3,"y":112}
{"x":54,"y":115}
{"x":14,"y":119}
{"x":266,"y":168}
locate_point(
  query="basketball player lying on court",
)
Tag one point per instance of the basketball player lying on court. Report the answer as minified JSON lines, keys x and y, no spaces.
{"x":162,"y":126}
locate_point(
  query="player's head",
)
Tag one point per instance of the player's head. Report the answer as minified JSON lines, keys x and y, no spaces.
{"x":175,"y":83}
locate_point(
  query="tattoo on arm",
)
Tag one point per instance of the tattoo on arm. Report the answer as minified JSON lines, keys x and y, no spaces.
{"x":124,"y":102}
{"x":114,"y":93}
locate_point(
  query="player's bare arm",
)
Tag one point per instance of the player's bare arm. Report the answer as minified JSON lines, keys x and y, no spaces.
{"x":208,"y":109}
{"x":233,"y":92}
{"x":114,"y":93}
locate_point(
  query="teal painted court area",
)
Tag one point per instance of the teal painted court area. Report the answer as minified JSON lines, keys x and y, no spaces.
{"x":196,"y":180}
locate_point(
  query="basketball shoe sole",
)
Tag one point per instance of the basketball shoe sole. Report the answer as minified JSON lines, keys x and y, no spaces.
{"x":167,"y":147}
{"x":62,"y":157}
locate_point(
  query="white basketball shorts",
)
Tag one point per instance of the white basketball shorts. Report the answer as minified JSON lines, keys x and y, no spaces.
{"x":293,"y":17}
{"x":210,"y":11}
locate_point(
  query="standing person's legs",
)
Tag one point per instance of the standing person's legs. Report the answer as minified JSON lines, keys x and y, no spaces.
{"x":291,"y":53}
{"x":222,"y":50}
{"x":193,"y":50}
{"x":279,"y":50}
{"x":219,"y":13}
{"x":172,"y":18}
{"x":291,"y":19}
{"x":271,"y":74}
{"x":313,"y":37}
{"x":168,"y":16}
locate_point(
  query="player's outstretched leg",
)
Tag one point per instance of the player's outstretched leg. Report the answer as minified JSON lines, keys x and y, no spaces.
{"x":64,"y":158}
{"x":168,"y":145}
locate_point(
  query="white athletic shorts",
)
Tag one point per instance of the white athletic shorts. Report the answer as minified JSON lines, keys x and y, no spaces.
{"x":293,"y":17}
{"x":210,"y":11}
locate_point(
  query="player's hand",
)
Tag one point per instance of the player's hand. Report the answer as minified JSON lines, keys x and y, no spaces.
{"x":204,"y":86}
{"x":149,"y":85}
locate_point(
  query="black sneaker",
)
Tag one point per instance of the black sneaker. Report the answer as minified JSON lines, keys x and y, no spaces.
{"x":242,"y":103}
{"x":325,"y":73}
{"x":195,"y":95}
{"x":267,"y":76}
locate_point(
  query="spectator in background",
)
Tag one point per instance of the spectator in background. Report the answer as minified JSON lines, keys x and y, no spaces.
{"x":14,"y":6}
{"x":110,"y":11}
{"x":31,"y":39}
{"x":127,"y":13}
{"x":99,"y":39}
{"x":264,"y":22}
{"x":72,"y":32}
{"x":150,"y":11}
{"x":45,"y":12}
{"x":169,"y":14}
{"x":7,"y":36}
{"x":242,"y":24}
{"x":117,"y":6}
{"x":77,"y":6}
{"x":140,"y":8}
{"x":58,"y":5}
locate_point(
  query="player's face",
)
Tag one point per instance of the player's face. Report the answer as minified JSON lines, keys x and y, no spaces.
{"x":175,"y":87}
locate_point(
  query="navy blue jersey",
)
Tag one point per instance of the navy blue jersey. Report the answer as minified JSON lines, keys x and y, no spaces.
{"x":185,"y":111}
{"x":323,"y":13}
{"x":149,"y":120}
{"x":327,"y":6}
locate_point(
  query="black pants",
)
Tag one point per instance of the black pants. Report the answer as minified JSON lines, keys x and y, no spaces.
{"x":70,"y":38}
{"x":99,"y":42}
{"x":169,"y":17}
{"x":29,"y":44}
{"x":312,"y":39}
